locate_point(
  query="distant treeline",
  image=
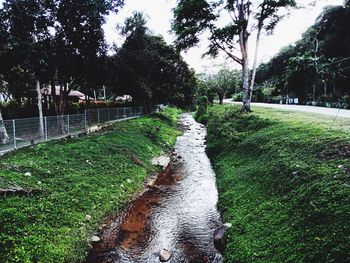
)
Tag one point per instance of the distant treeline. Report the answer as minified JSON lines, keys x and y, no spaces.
{"x":317,"y":68}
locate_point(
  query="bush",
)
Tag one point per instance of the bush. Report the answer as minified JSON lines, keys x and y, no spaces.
{"x":263,"y":94}
{"x":237,"y":96}
{"x":202,"y":114}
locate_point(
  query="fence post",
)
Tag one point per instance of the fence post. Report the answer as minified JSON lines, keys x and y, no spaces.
{"x":14,"y":134}
{"x":68,"y":124}
{"x":85,"y":120}
{"x":45,"y":128}
{"x":124,"y":116}
{"x":98,"y":116}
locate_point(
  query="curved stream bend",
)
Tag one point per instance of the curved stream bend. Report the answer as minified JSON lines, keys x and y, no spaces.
{"x":177,"y":213}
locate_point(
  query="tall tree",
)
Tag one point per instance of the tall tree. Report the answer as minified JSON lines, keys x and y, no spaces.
{"x":29,"y":24}
{"x":193,"y":17}
{"x":150,"y":70}
{"x":4,"y":138}
{"x":80,"y":41}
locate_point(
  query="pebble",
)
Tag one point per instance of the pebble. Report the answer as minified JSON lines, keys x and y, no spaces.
{"x":95,"y":239}
{"x":164,"y":255}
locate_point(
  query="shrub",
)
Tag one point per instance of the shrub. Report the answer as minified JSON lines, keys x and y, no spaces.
{"x":237,"y":96}
{"x":202,"y":111}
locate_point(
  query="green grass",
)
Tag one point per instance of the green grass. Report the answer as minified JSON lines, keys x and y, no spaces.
{"x":284,"y":184}
{"x":91,"y":176}
{"x":325,"y":121}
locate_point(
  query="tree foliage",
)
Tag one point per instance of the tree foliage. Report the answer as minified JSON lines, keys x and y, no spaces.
{"x":223,"y":83}
{"x":150,"y":70}
{"x":194,"y":17}
{"x":61,"y":43}
{"x":316,"y":68}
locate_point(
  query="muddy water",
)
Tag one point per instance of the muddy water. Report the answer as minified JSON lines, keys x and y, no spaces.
{"x":178,"y":212}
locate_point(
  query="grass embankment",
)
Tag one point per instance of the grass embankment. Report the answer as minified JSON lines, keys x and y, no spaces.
{"x":82,"y":180}
{"x":284,"y":184}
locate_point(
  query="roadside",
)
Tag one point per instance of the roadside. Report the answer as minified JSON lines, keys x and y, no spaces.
{"x":283,"y":183}
{"x":341,"y":113}
{"x":61,"y":190}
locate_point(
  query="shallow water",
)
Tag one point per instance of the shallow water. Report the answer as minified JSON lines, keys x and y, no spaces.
{"x":177,"y":213}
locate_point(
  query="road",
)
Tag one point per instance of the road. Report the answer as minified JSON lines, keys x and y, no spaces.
{"x":321,"y":110}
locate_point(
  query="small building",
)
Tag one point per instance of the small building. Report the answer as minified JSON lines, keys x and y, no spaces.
{"x":73,"y":96}
{"x":123,"y":99}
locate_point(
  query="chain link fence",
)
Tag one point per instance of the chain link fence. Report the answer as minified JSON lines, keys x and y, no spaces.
{"x":24,"y":132}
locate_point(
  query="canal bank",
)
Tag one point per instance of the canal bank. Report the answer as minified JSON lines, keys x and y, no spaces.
{"x":176,"y":215}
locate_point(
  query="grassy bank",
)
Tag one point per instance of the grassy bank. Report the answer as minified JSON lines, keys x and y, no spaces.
{"x":76,"y":182}
{"x":284,"y":184}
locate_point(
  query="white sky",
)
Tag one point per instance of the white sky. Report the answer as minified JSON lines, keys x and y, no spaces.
{"x":159,"y":14}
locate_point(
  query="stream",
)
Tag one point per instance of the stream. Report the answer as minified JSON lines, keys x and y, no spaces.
{"x":177,"y":212}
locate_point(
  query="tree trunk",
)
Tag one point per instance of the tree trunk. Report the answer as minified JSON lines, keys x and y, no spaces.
{"x":252,"y":81}
{"x":222,"y":95}
{"x":61,"y":103}
{"x":4,"y":138}
{"x":243,"y":42}
{"x":40,"y":109}
{"x":245,"y":86}
{"x":53,"y":93}
{"x":62,"y":107}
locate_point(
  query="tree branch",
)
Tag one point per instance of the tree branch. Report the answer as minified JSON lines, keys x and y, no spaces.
{"x":235,"y":58}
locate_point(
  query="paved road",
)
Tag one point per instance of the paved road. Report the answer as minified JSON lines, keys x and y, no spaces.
{"x":312,"y":109}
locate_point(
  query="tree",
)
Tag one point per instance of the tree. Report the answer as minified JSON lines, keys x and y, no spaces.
{"x":149,"y":70}
{"x":223,"y":82}
{"x":28,"y":24}
{"x":226,"y":80}
{"x":4,"y":138}
{"x":80,"y":42}
{"x":317,"y":67}
{"x":193,"y":17}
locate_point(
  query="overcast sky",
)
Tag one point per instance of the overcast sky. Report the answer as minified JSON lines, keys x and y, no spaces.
{"x":159,"y":14}
{"x":159,"y":19}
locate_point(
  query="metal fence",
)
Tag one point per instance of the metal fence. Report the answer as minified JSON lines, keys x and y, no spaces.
{"x":24,"y":132}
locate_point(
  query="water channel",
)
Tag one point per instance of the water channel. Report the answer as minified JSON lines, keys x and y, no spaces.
{"x":177,"y":213}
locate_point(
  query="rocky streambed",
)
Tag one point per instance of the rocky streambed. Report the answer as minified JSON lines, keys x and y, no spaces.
{"x":175,"y":218}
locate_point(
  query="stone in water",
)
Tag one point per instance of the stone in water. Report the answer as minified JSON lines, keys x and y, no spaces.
{"x":164,"y":255}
